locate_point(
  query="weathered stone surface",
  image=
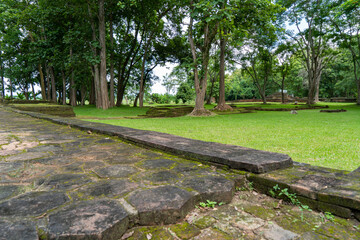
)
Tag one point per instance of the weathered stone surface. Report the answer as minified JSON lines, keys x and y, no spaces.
{"x":164,"y":176}
{"x":82,"y":166}
{"x":327,"y":187}
{"x":204,"y":222}
{"x":32,"y":203}
{"x":247,"y":216}
{"x":274,"y":232}
{"x":27,"y":156}
{"x":357,"y":215}
{"x":144,"y":233}
{"x":157,"y":163}
{"x":8,"y":191}
{"x":98,"y":219}
{"x":18,"y":230}
{"x":105,"y":140}
{"x":46,"y":148}
{"x":211,"y":188}
{"x":336,"y":231}
{"x":6,"y":167}
{"x":117,"y":171}
{"x":314,"y":236}
{"x":185,"y":230}
{"x":234,"y":222}
{"x":165,"y":204}
{"x":356,"y":172}
{"x":63,"y":181}
{"x":326,"y":207}
{"x":211,"y":234}
{"x":110,"y":188}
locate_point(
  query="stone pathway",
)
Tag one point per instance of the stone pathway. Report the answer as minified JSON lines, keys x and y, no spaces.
{"x":57,"y":182}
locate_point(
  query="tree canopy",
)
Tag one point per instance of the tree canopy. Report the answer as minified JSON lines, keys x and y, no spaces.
{"x":104,"y":51}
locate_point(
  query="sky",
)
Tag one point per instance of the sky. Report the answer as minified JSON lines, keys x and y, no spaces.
{"x":161,"y":72}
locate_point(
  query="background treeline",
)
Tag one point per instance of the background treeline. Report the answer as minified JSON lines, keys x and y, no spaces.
{"x":105,"y":51}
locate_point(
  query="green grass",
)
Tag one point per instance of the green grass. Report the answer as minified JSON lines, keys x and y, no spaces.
{"x":322,"y":139}
{"x":91,"y":112}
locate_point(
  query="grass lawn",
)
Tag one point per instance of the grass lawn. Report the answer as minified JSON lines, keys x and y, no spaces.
{"x":322,"y":139}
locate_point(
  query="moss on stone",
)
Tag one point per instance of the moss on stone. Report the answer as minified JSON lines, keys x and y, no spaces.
{"x":204,"y":222}
{"x":185,"y":230}
{"x":259,"y":211}
{"x":294,"y":223}
{"x":41,"y":234}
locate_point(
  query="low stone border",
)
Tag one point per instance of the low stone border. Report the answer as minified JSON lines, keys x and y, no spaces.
{"x":235,"y":157}
{"x":323,"y":189}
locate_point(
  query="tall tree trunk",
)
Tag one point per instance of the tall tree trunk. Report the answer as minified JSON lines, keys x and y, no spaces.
{"x":92,"y":97}
{"x":53,"y":85}
{"x":142,"y":79}
{"x":222,"y":106}
{"x":72,"y":83}
{"x":95,"y":67}
{"x":83,"y":95}
{"x":48,"y":88}
{"x":26,"y":89}
{"x":63,"y":87}
{"x":208,"y":100}
{"x":42,"y":82}
{"x":33,"y":91}
{"x":112,"y":87}
{"x":200,"y":81}
{"x":2,"y":81}
{"x":136,"y":100}
{"x":121,"y":93}
{"x":317,"y":86}
{"x":104,"y":103}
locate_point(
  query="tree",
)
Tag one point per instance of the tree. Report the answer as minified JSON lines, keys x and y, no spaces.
{"x":284,"y":65}
{"x":346,"y":20}
{"x":205,"y":30}
{"x":312,"y":42}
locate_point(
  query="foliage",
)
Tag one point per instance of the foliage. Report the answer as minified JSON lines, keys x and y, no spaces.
{"x":185,"y":93}
{"x":161,"y":98}
{"x":210,"y":204}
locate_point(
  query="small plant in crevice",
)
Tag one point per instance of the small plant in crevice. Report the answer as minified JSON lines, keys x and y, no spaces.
{"x":276,"y":191}
{"x":249,"y":186}
{"x":209,"y":204}
{"x":327,"y":216}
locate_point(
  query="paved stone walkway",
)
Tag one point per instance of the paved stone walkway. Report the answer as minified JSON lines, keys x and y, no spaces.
{"x":60,"y":183}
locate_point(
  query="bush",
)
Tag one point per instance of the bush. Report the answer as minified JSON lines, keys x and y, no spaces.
{"x":161,"y":98}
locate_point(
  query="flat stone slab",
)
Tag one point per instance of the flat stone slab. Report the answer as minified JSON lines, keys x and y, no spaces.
{"x":157,"y":163}
{"x":166,"y":204}
{"x":18,"y":230}
{"x":8,"y":191}
{"x":236,"y":157}
{"x":99,"y":219}
{"x":63,"y":181}
{"x":111,"y":188}
{"x":212,"y":188}
{"x":117,"y":171}
{"x":32,"y":203}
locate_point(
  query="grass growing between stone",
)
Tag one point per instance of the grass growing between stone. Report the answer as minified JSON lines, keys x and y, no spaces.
{"x":322,"y":139}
